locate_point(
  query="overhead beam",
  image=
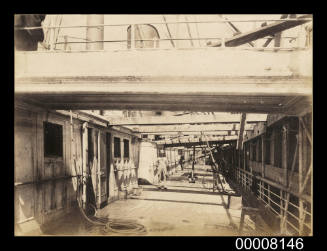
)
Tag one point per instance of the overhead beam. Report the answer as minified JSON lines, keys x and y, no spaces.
{"x":187,"y":139}
{"x":186,"y":119}
{"x":251,"y":95}
{"x":189,"y":128}
{"x":177,"y":134}
{"x":261,"y":32}
{"x":185,"y":87}
{"x":198,"y":143}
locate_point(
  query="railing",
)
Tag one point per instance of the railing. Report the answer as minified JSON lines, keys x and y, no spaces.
{"x":276,"y":202}
{"x":158,"y":42}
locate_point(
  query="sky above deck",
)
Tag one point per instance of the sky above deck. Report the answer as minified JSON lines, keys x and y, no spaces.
{"x":181,"y":31}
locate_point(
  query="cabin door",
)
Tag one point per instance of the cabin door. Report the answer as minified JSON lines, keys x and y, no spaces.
{"x":102,"y":169}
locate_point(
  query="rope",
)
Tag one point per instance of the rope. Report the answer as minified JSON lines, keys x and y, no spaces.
{"x":107,"y":225}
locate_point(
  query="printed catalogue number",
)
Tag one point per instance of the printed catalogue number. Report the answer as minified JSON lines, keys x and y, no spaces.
{"x":269,"y":244}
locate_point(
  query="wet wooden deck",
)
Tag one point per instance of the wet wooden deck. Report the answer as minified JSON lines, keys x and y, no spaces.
{"x":184,"y":209}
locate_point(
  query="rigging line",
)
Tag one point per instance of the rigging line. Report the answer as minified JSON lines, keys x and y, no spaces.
{"x":61,"y":17}
{"x":76,"y":37}
{"x":46,"y":36}
{"x":197,"y":30}
{"x":140,"y":34}
{"x":171,"y":40}
{"x":189,"y":30}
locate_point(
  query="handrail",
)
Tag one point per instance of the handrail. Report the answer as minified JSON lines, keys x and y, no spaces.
{"x":164,"y":23}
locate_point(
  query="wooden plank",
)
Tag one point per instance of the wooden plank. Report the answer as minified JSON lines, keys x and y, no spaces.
{"x":262,"y":32}
{"x":268,"y":86}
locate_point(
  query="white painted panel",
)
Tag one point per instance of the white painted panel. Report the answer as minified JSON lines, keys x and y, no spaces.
{"x":23,"y":151}
{"x":24,"y":203}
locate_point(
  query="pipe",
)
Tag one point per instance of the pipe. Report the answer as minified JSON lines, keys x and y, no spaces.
{"x":95,"y":32}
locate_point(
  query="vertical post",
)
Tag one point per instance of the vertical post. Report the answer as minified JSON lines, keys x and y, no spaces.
{"x":285,"y":150}
{"x":263,"y":155}
{"x":85,"y":162}
{"x":244,"y":158}
{"x":193,"y":163}
{"x":281,"y":193}
{"x":65,"y":42}
{"x":272,"y":148}
{"x":205,"y":156}
{"x":177,"y":31}
{"x":240,"y":139}
{"x":95,"y":34}
{"x":132,"y":37}
{"x":189,"y":30}
{"x":301,"y":204}
{"x":269,"y":196}
{"x":99,"y":168}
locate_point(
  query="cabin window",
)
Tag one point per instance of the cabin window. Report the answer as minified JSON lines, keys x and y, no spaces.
{"x":53,"y":140}
{"x":117,"y":153}
{"x":126,"y":148}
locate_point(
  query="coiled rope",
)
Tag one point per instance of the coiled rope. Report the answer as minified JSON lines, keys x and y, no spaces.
{"x":120,"y":226}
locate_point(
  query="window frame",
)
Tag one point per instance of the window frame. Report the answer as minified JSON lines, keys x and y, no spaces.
{"x":126,"y":142}
{"x":58,"y":149}
{"x":117,"y":150}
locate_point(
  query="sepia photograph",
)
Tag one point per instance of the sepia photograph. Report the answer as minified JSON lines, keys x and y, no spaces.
{"x":163,"y":125}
